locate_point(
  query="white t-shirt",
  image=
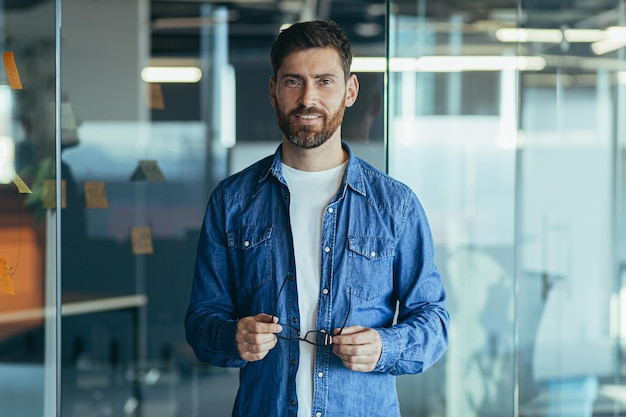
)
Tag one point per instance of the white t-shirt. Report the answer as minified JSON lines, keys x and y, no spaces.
{"x":310,"y":194}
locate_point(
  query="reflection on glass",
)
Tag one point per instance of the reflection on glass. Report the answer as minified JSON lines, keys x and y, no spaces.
{"x":511,"y":166}
{"x":28,"y":229}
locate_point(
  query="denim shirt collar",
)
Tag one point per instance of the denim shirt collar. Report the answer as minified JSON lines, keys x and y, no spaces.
{"x":352,"y":176}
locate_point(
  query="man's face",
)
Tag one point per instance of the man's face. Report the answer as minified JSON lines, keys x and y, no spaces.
{"x":310,"y":95}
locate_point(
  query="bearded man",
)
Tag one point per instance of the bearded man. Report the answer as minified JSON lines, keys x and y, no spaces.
{"x":305,"y":255}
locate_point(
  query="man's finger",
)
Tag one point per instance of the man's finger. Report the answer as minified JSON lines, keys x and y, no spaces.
{"x":350,"y":330}
{"x":355,"y":335}
{"x":261,"y":323}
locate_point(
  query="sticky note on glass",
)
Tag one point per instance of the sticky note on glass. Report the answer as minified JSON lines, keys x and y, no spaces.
{"x":5,"y":278}
{"x":11,"y":68}
{"x":95,"y":194}
{"x":141,"y":239}
{"x":156,"y":97}
{"x":148,"y":170}
{"x":50,"y":194}
{"x":22,"y":188}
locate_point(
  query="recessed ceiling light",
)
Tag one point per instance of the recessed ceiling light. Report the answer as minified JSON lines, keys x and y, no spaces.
{"x":368,"y":30}
{"x":171,"y":74}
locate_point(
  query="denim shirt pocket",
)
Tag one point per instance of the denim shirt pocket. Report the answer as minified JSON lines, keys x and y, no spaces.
{"x":370,"y":266}
{"x":250,"y":253}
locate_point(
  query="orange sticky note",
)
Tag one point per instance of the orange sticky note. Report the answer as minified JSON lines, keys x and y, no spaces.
{"x":50,"y":194}
{"x":95,"y":195}
{"x":156,"y":97}
{"x":5,"y":277}
{"x":11,"y":68}
{"x":141,"y":238}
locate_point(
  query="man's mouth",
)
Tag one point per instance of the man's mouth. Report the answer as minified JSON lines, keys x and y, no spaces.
{"x":308,"y":118}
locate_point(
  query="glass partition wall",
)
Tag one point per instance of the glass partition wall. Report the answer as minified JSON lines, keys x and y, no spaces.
{"x":508,"y":123}
{"x":452,"y":120}
{"x":505,"y":117}
{"x":30,"y":194}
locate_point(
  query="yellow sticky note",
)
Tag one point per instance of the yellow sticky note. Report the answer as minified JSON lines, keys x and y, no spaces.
{"x":156,"y":97}
{"x":22,"y":188}
{"x":95,"y":194}
{"x":5,"y":277}
{"x":141,"y":238}
{"x":50,"y":194}
{"x":11,"y":69}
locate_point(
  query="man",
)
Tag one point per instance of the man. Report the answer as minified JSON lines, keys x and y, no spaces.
{"x":304,"y":256}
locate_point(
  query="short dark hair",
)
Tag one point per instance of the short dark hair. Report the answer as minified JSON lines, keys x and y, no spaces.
{"x":313,"y":34}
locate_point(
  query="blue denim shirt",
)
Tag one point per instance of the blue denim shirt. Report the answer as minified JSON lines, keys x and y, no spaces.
{"x":376,"y":251}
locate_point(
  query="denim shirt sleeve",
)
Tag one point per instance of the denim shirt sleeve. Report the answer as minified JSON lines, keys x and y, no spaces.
{"x":420,"y":336}
{"x":209,"y":322}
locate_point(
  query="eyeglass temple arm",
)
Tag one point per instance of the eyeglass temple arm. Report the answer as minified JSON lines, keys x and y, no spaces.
{"x":347,"y":314}
{"x":278,"y":297}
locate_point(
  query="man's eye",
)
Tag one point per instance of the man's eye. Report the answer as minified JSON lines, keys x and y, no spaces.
{"x":291,"y":82}
{"x":326,"y":81}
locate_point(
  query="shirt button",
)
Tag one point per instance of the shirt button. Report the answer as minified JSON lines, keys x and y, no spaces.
{"x":246,"y":243}
{"x":292,"y":362}
{"x":326,"y":249}
{"x":372,"y":254}
{"x":330,"y":210}
{"x":320,"y":374}
{"x":318,"y":414}
{"x":294,"y":319}
{"x":291,"y":277}
{"x":292,"y":402}
{"x":325,"y":291}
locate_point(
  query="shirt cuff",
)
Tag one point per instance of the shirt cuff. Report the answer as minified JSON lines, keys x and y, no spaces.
{"x":228,"y":332}
{"x":390,"y":341}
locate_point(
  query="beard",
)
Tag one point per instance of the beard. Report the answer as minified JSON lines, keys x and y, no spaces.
{"x":308,"y":137}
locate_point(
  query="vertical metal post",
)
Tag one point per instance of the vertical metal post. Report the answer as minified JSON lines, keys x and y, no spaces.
{"x":214,"y":60}
{"x":52,"y":300}
{"x":455,"y":79}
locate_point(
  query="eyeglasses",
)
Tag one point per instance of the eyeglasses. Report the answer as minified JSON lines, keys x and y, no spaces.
{"x":313,"y":337}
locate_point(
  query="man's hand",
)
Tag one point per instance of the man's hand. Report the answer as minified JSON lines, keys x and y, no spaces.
{"x":255,"y":336}
{"x":359,"y":348}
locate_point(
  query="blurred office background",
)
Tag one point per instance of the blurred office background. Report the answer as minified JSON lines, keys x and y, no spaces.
{"x":507,"y":118}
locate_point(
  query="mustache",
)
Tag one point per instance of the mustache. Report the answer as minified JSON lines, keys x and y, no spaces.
{"x":302,"y":110}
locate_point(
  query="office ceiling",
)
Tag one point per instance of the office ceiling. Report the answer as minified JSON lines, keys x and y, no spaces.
{"x":254,"y":23}
{"x":176,"y":24}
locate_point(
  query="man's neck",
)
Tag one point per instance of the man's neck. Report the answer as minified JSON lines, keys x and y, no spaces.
{"x":326,"y":156}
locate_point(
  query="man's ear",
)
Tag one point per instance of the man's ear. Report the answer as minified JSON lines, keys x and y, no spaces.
{"x":272,"y":91}
{"x":352,"y":90}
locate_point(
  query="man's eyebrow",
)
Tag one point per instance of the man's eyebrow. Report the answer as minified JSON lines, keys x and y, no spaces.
{"x":327,"y":75}
{"x":300,"y":76}
{"x":291,"y":75}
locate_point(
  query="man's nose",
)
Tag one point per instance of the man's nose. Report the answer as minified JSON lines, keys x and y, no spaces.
{"x":309,"y":97}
